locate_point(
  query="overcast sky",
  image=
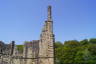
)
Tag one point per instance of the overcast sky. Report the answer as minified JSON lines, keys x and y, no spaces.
{"x":22,"y":20}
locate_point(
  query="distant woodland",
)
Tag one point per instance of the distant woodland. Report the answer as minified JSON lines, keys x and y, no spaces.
{"x":76,"y":52}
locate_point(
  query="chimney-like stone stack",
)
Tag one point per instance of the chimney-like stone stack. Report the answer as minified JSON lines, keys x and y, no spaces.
{"x":46,"y":44}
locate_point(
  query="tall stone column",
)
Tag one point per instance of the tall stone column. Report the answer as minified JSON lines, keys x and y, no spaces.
{"x":46,"y":44}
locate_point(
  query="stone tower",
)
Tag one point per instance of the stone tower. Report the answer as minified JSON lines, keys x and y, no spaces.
{"x":46,"y":43}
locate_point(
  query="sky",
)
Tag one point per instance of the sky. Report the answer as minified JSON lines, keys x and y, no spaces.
{"x":22,"y":20}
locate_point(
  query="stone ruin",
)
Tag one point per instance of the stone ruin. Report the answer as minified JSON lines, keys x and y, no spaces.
{"x":34,"y":52}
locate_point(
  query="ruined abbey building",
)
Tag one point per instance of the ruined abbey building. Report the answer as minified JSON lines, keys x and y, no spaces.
{"x":35,"y":52}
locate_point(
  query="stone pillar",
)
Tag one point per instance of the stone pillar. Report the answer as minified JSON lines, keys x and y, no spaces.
{"x":46,"y":44}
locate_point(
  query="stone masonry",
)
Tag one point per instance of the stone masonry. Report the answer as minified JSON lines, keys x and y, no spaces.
{"x":34,"y":52}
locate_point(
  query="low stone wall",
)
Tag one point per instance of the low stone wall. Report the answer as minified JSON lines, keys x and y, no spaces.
{"x":17,"y":60}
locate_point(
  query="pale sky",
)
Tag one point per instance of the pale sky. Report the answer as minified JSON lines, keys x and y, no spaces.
{"x":22,"y":20}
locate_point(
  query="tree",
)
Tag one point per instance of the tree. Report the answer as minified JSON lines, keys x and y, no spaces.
{"x":92,"y":40}
{"x":69,"y":50}
{"x":82,"y":56}
{"x":84,"y":42}
{"x":76,"y":52}
{"x":58,"y":52}
{"x":58,"y":44}
{"x":72,"y":43}
{"x":20,"y":48}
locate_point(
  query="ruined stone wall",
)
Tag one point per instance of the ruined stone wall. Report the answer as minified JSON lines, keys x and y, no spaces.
{"x":31,"y":51}
{"x":34,"y":52}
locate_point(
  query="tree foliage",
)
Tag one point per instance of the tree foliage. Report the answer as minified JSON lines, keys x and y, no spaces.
{"x":20,"y":48}
{"x":76,"y":52}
